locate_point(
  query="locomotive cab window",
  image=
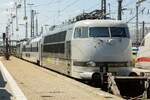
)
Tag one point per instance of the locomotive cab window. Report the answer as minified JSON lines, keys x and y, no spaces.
{"x":99,"y":32}
{"x":119,"y":32}
{"x":81,"y":32}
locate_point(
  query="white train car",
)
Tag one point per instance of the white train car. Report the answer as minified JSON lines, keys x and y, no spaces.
{"x":143,"y":55}
{"x":86,"y":47}
{"x":19,"y":48}
{"x":32,"y":50}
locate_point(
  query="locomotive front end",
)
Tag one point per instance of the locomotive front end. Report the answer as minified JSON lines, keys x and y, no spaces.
{"x":99,"y":47}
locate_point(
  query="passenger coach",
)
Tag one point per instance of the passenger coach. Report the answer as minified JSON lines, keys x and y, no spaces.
{"x":31,"y":50}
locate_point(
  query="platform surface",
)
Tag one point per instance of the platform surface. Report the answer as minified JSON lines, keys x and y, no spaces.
{"x":38,"y":83}
{"x":5,"y":92}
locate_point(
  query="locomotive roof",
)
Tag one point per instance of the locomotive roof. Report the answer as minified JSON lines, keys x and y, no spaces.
{"x":103,"y":23}
{"x":88,"y":23}
{"x":62,"y":27}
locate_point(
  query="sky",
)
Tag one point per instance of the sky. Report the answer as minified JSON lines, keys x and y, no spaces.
{"x":53,"y":12}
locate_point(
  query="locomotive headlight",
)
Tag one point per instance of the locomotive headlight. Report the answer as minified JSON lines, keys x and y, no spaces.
{"x":91,"y":63}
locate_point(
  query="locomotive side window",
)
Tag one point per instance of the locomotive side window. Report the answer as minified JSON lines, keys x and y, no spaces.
{"x":55,"y":43}
{"x":119,"y":32}
{"x":58,"y":37}
{"x":54,"y":48}
{"x":99,"y":32}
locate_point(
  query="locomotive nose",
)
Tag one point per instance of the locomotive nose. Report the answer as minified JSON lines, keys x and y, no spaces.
{"x":112,"y":49}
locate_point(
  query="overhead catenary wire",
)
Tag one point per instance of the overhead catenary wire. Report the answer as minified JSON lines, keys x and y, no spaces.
{"x":69,"y":5}
{"x":59,"y":12}
{"x":49,"y":3}
{"x":76,"y":12}
{"x":141,"y":11}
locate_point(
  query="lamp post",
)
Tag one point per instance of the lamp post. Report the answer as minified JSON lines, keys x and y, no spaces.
{"x":12,"y":23}
{"x":36,"y":23}
{"x":103,"y":8}
{"x":25,"y":18}
{"x":32,"y":20}
{"x":120,"y":9}
{"x":17,"y":6}
{"x":17,"y":29}
{"x":25,"y":10}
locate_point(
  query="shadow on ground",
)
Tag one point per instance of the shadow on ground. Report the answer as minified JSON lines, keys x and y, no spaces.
{"x":4,"y":94}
